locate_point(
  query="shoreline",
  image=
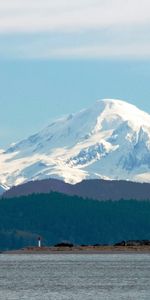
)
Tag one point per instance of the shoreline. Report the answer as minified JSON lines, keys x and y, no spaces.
{"x":82,"y":250}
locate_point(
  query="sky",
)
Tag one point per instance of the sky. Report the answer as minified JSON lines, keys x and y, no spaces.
{"x":57,"y":57}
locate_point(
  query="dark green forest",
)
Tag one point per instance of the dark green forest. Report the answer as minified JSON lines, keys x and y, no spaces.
{"x":57,"y":217}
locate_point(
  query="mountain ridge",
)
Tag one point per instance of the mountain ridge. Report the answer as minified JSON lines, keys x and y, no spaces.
{"x":95,"y":189}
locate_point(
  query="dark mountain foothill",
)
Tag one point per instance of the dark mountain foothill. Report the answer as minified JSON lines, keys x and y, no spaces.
{"x":92,"y":189}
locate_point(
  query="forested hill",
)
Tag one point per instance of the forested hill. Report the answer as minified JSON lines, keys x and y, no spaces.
{"x":57,"y":217}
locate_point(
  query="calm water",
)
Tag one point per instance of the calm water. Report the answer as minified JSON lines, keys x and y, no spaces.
{"x":69,"y":277}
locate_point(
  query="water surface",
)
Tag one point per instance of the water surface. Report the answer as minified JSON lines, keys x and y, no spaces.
{"x":76,"y":276}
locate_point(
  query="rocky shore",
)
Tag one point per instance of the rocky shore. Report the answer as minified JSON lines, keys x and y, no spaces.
{"x":122,"y":247}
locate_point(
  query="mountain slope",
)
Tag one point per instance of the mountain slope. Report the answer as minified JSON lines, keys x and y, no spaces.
{"x":110,"y":140}
{"x":2,"y":189}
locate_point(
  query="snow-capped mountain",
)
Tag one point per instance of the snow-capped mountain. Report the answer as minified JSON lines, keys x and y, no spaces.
{"x":110,"y":140}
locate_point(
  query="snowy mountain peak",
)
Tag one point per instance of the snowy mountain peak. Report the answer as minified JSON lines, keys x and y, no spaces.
{"x":117,"y":109}
{"x":109,"y":140}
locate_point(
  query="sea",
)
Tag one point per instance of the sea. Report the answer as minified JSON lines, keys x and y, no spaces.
{"x":74,"y":276}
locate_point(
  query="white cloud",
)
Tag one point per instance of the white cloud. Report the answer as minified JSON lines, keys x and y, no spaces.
{"x":121,"y":18}
{"x":65,"y":15}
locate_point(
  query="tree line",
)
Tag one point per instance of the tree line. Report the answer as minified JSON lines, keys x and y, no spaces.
{"x":57,"y":218}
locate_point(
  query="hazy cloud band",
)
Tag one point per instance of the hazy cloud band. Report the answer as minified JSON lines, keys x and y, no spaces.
{"x":125,"y":23}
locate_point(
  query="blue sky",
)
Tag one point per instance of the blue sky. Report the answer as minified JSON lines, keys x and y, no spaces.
{"x":59,"y":57}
